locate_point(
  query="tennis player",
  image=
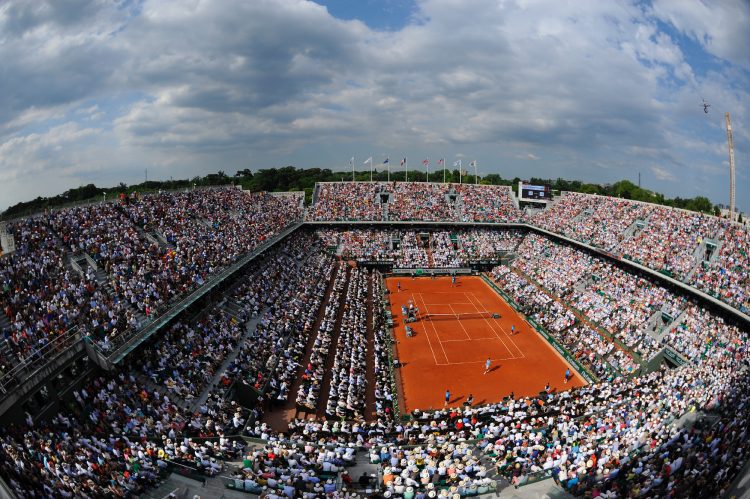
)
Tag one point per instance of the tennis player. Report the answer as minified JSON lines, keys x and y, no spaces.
{"x":487,"y":365}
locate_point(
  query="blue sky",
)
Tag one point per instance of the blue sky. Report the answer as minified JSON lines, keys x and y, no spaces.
{"x":99,"y":91}
{"x":386,"y":15}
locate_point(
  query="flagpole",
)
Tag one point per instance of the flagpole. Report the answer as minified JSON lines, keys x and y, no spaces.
{"x":460,"y":172}
{"x":476,"y":180}
{"x":428,"y":169}
{"x":443,"y":170}
{"x":389,"y":170}
{"x":406,"y":163}
{"x":370,"y":168}
{"x":352,"y":162}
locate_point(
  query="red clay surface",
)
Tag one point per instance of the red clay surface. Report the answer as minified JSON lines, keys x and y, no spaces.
{"x":450,"y":353}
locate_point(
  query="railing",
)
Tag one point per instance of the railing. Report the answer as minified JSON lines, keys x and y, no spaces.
{"x":5,"y":490}
{"x":124,"y":344}
{"x":40,"y":359}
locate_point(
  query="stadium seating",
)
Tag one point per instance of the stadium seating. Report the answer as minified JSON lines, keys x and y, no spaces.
{"x":110,"y":268}
{"x":107,"y":270}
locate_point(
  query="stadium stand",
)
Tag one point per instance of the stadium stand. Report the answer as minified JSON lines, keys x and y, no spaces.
{"x":298,"y":311}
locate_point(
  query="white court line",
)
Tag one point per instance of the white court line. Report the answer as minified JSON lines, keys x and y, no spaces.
{"x":510,"y":337}
{"x":499,"y":337}
{"x":451,"y":303}
{"x":435,"y":331}
{"x":473,"y":339}
{"x":462,"y":326}
{"x":414,"y":299}
{"x":499,"y":359}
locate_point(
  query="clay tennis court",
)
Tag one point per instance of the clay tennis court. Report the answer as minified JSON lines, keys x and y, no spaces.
{"x":448,"y":350}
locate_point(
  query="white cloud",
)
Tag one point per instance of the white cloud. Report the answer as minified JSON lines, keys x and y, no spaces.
{"x":723,"y":29}
{"x":662,"y":173}
{"x":184,"y":88}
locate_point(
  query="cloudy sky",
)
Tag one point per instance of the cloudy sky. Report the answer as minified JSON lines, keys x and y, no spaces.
{"x":101,"y":90}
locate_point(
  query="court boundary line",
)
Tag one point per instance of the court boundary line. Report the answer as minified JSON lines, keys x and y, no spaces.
{"x":475,"y":302}
{"x":468,"y":337}
{"x":434,"y":357}
{"x":521,"y":352}
{"x":494,"y":331}
{"x":436,"y":334}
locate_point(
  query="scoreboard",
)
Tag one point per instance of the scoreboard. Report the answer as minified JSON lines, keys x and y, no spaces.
{"x":530,"y":191}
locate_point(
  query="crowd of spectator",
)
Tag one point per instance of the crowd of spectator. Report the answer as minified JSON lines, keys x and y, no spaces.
{"x":188,"y":355}
{"x":293,"y":470}
{"x":412,"y":249}
{"x":421,"y":201}
{"x":454,"y":467}
{"x":385,"y":391}
{"x":117,"y":440}
{"x":670,"y":240}
{"x":662,"y":238}
{"x":444,"y":250}
{"x":124,"y":431}
{"x":346,"y":394}
{"x":596,"y":353}
{"x":596,"y":220}
{"x":347,"y":201}
{"x":410,"y":201}
{"x":361,"y":244}
{"x":309,"y":392}
{"x":627,"y":306}
{"x":486,"y":244}
{"x":727,"y":275}
{"x":665,"y":239}
{"x":42,"y":297}
{"x":487,"y":203}
{"x":622,"y":435}
{"x":294,"y":317}
{"x":46,"y":293}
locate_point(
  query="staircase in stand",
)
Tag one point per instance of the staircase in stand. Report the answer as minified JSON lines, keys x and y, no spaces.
{"x":428,"y":250}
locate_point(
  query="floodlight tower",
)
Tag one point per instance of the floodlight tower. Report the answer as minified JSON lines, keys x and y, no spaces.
{"x":730,"y":141}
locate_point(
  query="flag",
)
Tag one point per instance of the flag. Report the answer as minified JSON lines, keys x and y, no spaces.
{"x":441,"y":161}
{"x":473,"y":163}
{"x":457,"y":163}
{"x":368,"y":160}
{"x":386,"y":161}
{"x":426,"y":162}
{"x":403,"y":161}
{"x":351,"y":161}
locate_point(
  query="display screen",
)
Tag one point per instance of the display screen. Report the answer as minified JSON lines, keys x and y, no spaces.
{"x":529,"y":191}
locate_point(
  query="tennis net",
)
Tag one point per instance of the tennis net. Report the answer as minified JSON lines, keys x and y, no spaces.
{"x":461,"y":316}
